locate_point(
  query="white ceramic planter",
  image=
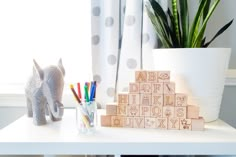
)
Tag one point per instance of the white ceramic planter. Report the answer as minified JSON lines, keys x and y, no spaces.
{"x":198,"y":72}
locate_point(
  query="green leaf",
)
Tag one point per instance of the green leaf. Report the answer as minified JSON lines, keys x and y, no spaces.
{"x":183,"y":4}
{"x":176,"y":20}
{"x":172,"y":30}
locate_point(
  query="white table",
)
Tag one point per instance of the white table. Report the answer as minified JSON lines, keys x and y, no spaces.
{"x":22,"y":137}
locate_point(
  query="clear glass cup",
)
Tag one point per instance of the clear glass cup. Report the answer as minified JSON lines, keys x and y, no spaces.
{"x":86,"y":117}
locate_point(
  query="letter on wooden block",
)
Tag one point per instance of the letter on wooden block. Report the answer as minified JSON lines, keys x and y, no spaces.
{"x":133,"y":110}
{"x":145,"y":99}
{"x":163,"y":76}
{"x":138,"y":122}
{"x":173,"y":123}
{"x":128,"y":122}
{"x":192,"y":111}
{"x":150,"y":122}
{"x":123,"y":98}
{"x":151,"y":76}
{"x":133,"y":87}
{"x":161,"y":123}
{"x":169,"y":88}
{"x":185,"y":124}
{"x":134,"y":99}
{"x":180,"y":112}
{"x":111,"y":109}
{"x":140,"y":76}
{"x":157,"y":88}
{"x":145,"y":110}
{"x":156,"y":111}
{"x":157,"y":99}
{"x":105,"y":120}
{"x":168,"y":111}
{"x":145,"y":88}
{"x":169,"y":100}
{"x":117,"y":121}
{"x":122,"y":110}
{"x":180,"y":99}
{"x":198,"y":124}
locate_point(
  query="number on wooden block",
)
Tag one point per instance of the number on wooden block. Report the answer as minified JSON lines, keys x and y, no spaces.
{"x":185,"y":124}
{"x":169,"y":100}
{"x":173,"y":123}
{"x":122,"y":110}
{"x":145,"y":88}
{"x":163,"y":76}
{"x":150,"y":122}
{"x":157,"y":88}
{"x":133,"y":87}
{"x":180,"y":99}
{"x":145,"y":110}
{"x":157,"y":99}
{"x":134,"y":99}
{"x":106,"y":120}
{"x":161,"y":123}
{"x":138,"y":122}
{"x":180,"y":112}
{"x":116,"y":121}
{"x":151,"y":76}
{"x":168,"y":111}
{"x":169,"y":88}
{"x":111,"y":109}
{"x":128,"y":122}
{"x":156,"y":111}
{"x":123,"y":98}
{"x":140,"y":76}
{"x":145,"y":99}
{"x":133,"y":110}
{"x":198,"y":124}
{"x":192,"y":111}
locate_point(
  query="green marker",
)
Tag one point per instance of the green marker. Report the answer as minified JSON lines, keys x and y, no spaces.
{"x":86,"y":93}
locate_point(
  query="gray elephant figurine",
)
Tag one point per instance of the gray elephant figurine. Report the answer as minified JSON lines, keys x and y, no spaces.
{"x":44,"y":93}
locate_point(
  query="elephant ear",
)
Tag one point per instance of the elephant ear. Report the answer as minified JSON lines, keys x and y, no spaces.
{"x":61,"y":67}
{"x":38,"y":72}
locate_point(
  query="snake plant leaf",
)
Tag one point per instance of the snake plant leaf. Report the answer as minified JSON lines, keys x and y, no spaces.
{"x":176,"y":19}
{"x":183,"y":4}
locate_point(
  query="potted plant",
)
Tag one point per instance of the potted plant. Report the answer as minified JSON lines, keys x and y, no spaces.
{"x":197,"y":70}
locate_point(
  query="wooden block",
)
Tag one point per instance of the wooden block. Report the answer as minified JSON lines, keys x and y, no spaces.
{"x":111,"y":109}
{"x":138,"y":122}
{"x":122,"y":110}
{"x":123,"y":98}
{"x":173,"y":123}
{"x":133,"y":88}
{"x":145,"y":99}
{"x":133,"y":110}
{"x":134,"y":99}
{"x":145,"y":110}
{"x":192,"y":111}
{"x":157,"y":99}
{"x":163,"y":76}
{"x":152,"y":76}
{"x":169,"y":87}
{"x":157,"y":88}
{"x":106,"y":120}
{"x":180,"y":112}
{"x":145,"y":88}
{"x":181,"y":99}
{"x":161,"y":123}
{"x":117,"y":121}
{"x":128,"y":122}
{"x":198,"y":124}
{"x":168,"y":111}
{"x":140,"y":76}
{"x":150,"y":122}
{"x":185,"y":124}
{"x":169,"y":100}
{"x":156,"y":111}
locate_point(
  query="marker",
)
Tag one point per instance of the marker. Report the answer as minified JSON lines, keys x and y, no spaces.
{"x":79,"y":90}
{"x":74,"y":93}
{"x":86,"y":93}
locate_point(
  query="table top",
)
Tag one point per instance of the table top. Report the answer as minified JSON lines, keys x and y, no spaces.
{"x":62,"y":137}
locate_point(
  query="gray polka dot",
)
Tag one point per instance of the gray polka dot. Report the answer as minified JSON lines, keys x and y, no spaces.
{"x":145,"y":38}
{"x":95,"y":39}
{"x":109,"y":21}
{"x":111,"y":59}
{"x":126,"y":89}
{"x":124,"y":8}
{"x":131,"y":63}
{"x":97,"y":78}
{"x":110,"y":92}
{"x":130,"y":20}
{"x":96,"y":11}
{"x":99,"y":106}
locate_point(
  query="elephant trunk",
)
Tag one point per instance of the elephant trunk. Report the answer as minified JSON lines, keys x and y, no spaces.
{"x":57,"y":109}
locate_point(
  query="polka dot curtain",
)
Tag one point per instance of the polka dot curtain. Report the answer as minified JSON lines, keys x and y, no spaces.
{"x":122,"y":40}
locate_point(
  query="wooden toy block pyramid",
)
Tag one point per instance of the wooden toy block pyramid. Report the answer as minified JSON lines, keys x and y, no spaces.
{"x":152,"y":103}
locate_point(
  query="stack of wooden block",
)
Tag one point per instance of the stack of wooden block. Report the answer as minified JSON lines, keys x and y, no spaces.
{"x":152,"y":103}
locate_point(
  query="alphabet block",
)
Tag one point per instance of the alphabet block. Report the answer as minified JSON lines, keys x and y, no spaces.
{"x":122,"y":110}
{"x":169,"y":100}
{"x":198,"y":124}
{"x":157,"y":99}
{"x":161,"y":123}
{"x":128,"y":122}
{"x":138,"y":122}
{"x":150,"y":122}
{"x":134,"y":88}
{"x":145,"y":111}
{"x":157,"y":88}
{"x":123,"y":98}
{"x":106,"y":120}
{"x":133,"y":110}
{"x":168,"y":111}
{"x":180,"y":112}
{"x":145,"y":99}
{"x":185,"y":124}
{"x":180,"y":99}
{"x":134,"y":99}
{"x":117,"y":121}
{"x":145,"y":88}
{"x":163,"y":76}
{"x":156,"y":111}
{"x":173,"y":123}
{"x":152,"y":76}
{"x":111,"y":109}
{"x":192,"y":111}
{"x":169,"y":88}
{"x":140,"y":76}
